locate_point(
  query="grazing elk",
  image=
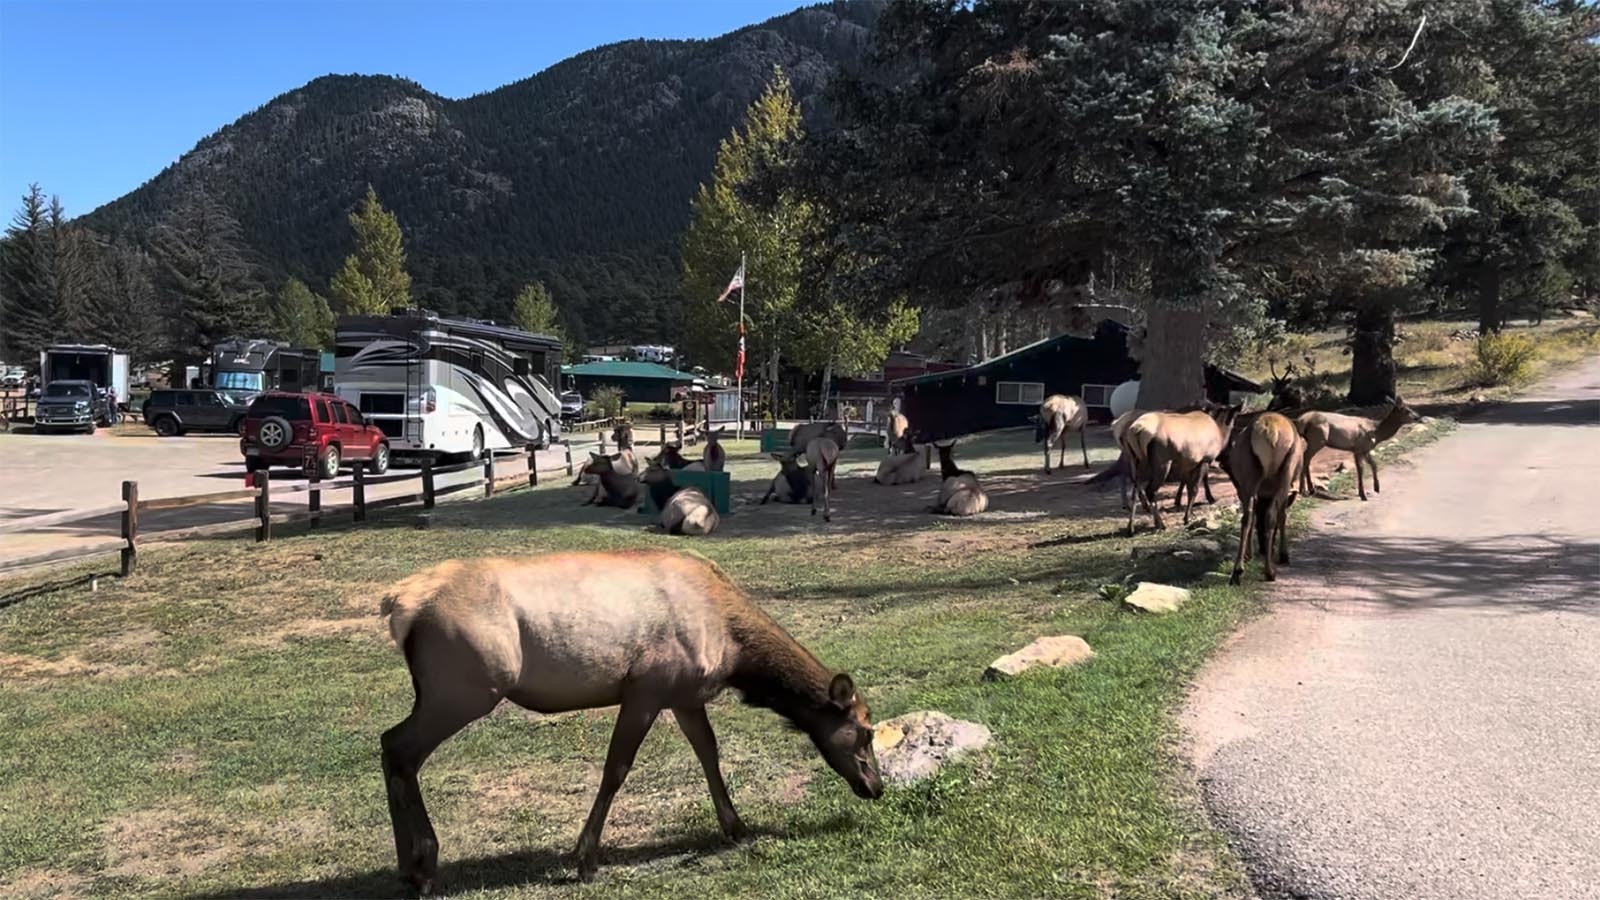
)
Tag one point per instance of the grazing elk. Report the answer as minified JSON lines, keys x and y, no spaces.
{"x":822,"y":455}
{"x":1059,"y":416}
{"x":793,"y":483}
{"x":897,"y":438}
{"x":1356,"y":434}
{"x":647,"y":630}
{"x":684,"y":510}
{"x":1264,"y":460}
{"x":617,"y":486}
{"x":959,"y":491}
{"x":715,"y":456}
{"x":1162,"y":444}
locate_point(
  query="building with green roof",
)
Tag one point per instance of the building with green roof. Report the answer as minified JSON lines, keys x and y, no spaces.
{"x":640,"y":382}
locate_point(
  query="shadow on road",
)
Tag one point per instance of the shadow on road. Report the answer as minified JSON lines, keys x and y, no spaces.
{"x":1538,"y":412}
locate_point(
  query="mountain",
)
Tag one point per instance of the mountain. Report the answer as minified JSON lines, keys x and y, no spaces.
{"x":580,"y":175}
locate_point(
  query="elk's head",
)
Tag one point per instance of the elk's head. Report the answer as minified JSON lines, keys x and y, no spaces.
{"x":842,"y":731}
{"x":623,"y":436}
{"x":672,"y":457}
{"x":713,"y":436}
{"x":788,"y":462}
{"x":1405,"y":414}
{"x":1284,"y":393}
{"x":599,"y":463}
{"x":655,"y":472}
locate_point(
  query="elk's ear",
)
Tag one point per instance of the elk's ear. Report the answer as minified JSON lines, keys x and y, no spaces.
{"x":841,"y":691}
{"x":778,"y":456}
{"x":596,"y":457}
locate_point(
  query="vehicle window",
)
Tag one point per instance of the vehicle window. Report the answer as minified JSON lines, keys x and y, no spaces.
{"x":204,"y":398}
{"x":75,"y":391}
{"x":519,"y":366}
{"x":183,"y":398}
{"x":295,"y":409}
{"x":161,"y":400}
{"x":323,"y":413}
{"x":353,"y":415}
{"x":240,"y":381}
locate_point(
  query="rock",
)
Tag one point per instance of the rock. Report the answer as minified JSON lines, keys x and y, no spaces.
{"x":913,"y":746}
{"x":1056,"y":652}
{"x":1190,"y":549}
{"x":1157,"y":598}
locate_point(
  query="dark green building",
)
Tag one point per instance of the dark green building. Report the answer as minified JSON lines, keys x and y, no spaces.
{"x":640,"y":382}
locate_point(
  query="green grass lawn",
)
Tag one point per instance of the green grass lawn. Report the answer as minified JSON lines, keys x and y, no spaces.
{"x":210,"y":726}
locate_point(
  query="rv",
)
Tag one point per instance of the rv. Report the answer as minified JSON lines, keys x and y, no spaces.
{"x":441,"y":386}
{"x":244,"y":368}
{"x":106,"y":367}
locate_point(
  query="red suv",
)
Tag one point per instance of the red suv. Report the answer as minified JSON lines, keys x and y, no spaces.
{"x":310,"y":431}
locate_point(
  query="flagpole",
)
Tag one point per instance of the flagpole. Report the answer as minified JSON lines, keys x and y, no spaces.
{"x":744,"y":277}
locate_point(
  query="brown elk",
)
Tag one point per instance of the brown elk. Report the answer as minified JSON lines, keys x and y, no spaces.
{"x":1356,"y":434}
{"x":622,"y":436}
{"x":617,"y":486}
{"x":715,"y":456}
{"x":1163,"y":444}
{"x":684,"y":510}
{"x":672,"y":457}
{"x":793,"y":483}
{"x":802,"y":435}
{"x":1264,"y":460}
{"x":1285,"y":395}
{"x":1058,"y":417}
{"x":823,"y":456}
{"x":905,"y":467}
{"x":959,"y":491}
{"x":648,"y":630}
{"x":897,"y":439}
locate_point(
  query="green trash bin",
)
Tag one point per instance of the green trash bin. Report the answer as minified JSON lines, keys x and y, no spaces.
{"x":717,"y":487}
{"x":773,"y":440}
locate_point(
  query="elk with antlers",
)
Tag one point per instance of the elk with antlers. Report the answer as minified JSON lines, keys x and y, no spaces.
{"x":1356,"y":434}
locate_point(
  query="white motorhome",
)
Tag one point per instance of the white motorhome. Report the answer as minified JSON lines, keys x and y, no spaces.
{"x":440,"y":386}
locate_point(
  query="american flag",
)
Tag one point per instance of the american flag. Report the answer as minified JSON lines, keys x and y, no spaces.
{"x":737,"y":284}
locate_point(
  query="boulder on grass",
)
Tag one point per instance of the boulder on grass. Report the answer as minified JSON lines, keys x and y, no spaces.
{"x":913,"y":746}
{"x":1156,"y":598}
{"x":1056,"y":652}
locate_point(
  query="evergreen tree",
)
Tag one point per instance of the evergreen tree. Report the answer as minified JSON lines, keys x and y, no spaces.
{"x":211,"y":292}
{"x":27,"y":292}
{"x":302,"y":317}
{"x":374,"y":279}
{"x":128,"y":317}
{"x":535,"y":311}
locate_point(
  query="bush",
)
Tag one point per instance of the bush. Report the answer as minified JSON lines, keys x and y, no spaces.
{"x":1501,"y":358}
{"x":605,"y":403}
{"x":662,"y":412}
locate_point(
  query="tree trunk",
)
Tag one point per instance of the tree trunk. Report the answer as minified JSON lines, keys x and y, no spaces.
{"x":1172,"y":357}
{"x":1490,"y":318}
{"x":827,"y":379}
{"x":1372,"y":355}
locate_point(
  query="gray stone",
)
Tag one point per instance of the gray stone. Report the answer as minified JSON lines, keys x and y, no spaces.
{"x":913,"y":746}
{"x":1151,"y":597}
{"x":1056,"y":652}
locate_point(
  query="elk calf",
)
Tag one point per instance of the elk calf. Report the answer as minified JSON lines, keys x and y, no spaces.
{"x":1355,"y":434}
{"x":959,"y":491}
{"x":1264,"y":461}
{"x":684,"y":510}
{"x":641,"y":630}
{"x":1058,"y":417}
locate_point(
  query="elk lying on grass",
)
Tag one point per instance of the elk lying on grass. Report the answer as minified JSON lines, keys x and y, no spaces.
{"x":897,"y":439}
{"x":644,"y":629}
{"x":793,"y":483}
{"x":905,"y":467}
{"x":1162,"y":444}
{"x":617,"y":486}
{"x":684,"y":510}
{"x":1059,"y":416}
{"x":622,"y":436}
{"x":1356,"y":434}
{"x":1264,"y":461}
{"x":822,"y":455}
{"x":959,"y":491}
{"x":715,"y":456}
{"x":672,"y":457}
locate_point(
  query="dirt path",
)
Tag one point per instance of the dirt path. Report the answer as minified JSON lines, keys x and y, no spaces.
{"x":1419,"y":716}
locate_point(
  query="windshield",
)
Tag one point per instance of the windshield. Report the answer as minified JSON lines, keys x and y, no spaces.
{"x":240,"y":381}
{"x":75,"y":391}
{"x":295,"y":409}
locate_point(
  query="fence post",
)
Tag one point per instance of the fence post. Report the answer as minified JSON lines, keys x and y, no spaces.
{"x":360,"y":490}
{"x":679,"y":428}
{"x":427,"y":482}
{"x":567,"y":446}
{"x":533,"y":466}
{"x":263,"y":506}
{"x":488,"y":474}
{"x":602,"y":436}
{"x":130,"y":526}
{"x":663,"y":434}
{"x":314,"y":497}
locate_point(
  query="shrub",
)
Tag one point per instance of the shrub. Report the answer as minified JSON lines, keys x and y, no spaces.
{"x":605,"y":403}
{"x":1501,"y":358}
{"x":662,"y":411}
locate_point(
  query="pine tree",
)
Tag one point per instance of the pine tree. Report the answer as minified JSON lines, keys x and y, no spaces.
{"x":535,"y":311}
{"x":373,"y":280}
{"x":302,"y":317}
{"x":210,"y":289}
{"x":27,"y":294}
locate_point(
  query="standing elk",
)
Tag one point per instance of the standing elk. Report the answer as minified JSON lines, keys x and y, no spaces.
{"x":1285,"y":395}
{"x":823,"y":456}
{"x":959,"y":491}
{"x":1264,"y":460}
{"x":1356,"y":434}
{"x":897,"y":438}
{"x":1161,"y":444}
{"x":644,"y":629}
{"x":683,"y":510}
{"x":1058,"y":417}
{"x":802,"y":435}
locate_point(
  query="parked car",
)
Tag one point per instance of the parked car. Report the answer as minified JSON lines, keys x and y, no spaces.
{"x":174,"y":412}
{"x":66,"y":404}
{"x":11,"y":379}
{"x":306,"y":430}
{"x":571,"y":406}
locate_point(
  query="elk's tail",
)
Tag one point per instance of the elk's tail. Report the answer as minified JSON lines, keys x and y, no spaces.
{"x":1103,"y":478}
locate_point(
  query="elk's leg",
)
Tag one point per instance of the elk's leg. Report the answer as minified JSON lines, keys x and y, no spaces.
{"x":1305,"y":470}
{"x":697,"y":728}
{"x":1361,"y":488}
{"x":1245,"y":515}
{"x":1266,"y":522}
{"x":1373,"y":465}
{"x":1083,"y":444}
{"x":1047,"y":444}
{"x":1196,"y":480}
{"x":406,"y":746}
{"x":633,"y":723}
{"x":1283,"y":531}
{"x":1061,"y":455}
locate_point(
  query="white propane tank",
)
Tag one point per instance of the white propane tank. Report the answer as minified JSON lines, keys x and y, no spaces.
{"x":1124,"y":398}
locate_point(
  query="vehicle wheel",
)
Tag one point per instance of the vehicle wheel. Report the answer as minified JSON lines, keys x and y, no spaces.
{"x":276,"y":433}
{"x":477,"y":443}
{"x":329,"y":461}
{"x":237,"y":426}
{"x":166,"y":426}
{"x":380,"y":459}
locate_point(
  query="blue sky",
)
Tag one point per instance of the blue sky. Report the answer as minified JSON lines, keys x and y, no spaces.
{"x":97,"y":97}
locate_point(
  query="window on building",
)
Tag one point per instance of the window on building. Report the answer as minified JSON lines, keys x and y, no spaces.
{"x":1097,"y":394}
{"x":1023,"y":392}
